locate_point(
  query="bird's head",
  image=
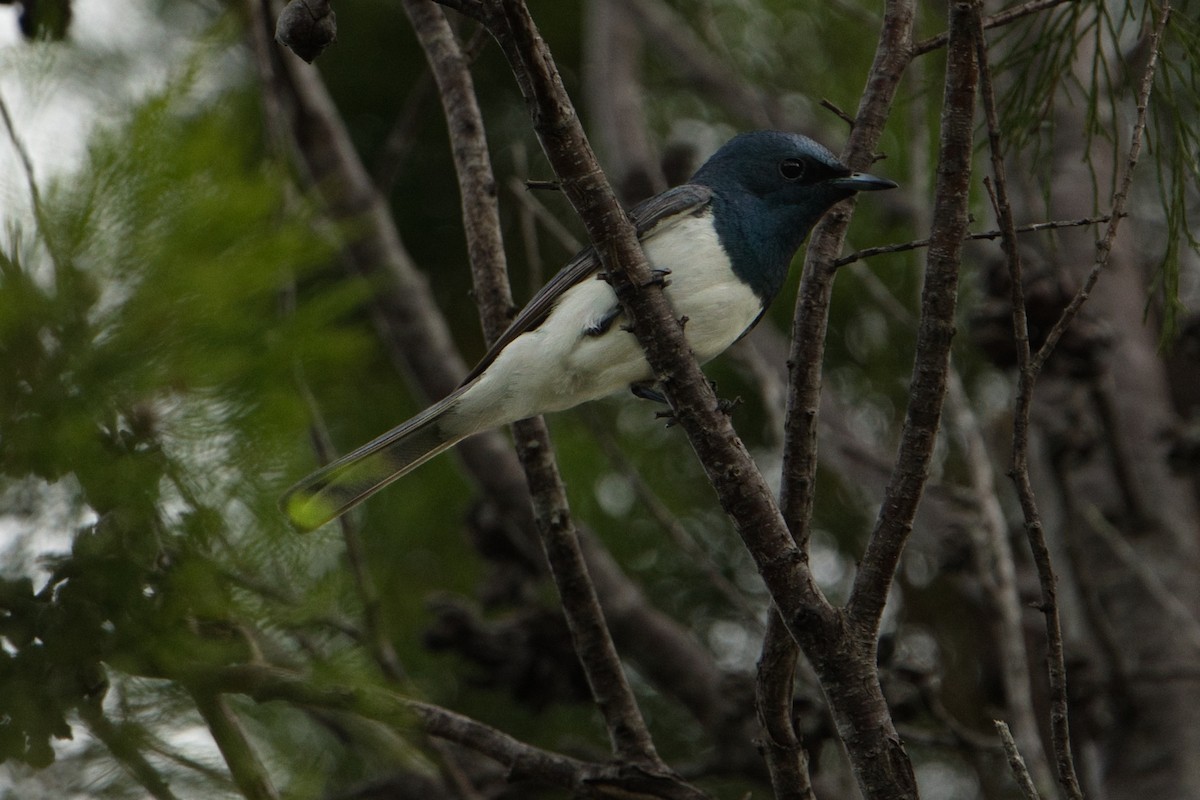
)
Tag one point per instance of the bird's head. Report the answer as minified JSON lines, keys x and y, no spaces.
{"x":784,"y":169}
{"x":770,"y":188}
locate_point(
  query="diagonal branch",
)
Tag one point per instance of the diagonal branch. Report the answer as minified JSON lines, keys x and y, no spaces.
{"x":916,"y":244}
{"x":125,"y":751}
{"x":744,"y":494}
{"x":247,"y":769}
{"x":264,"y":683}
{"x":481,"y":216}
{"x":303,"y":119}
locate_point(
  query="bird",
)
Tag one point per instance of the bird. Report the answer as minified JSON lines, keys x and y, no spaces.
{"x":721,"y":243}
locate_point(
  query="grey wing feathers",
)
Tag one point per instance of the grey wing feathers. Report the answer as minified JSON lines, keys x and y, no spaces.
{"x":647,"y":217}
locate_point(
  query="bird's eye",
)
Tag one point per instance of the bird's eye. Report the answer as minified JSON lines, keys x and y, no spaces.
{"x":792,"y":169}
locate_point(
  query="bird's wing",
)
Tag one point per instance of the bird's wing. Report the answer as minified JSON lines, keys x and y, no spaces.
{"x":649,"y":218}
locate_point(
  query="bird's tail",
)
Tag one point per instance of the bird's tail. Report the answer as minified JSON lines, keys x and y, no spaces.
{"x":335,"y":489}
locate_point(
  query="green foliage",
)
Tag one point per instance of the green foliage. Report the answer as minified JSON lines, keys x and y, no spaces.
{"x":1090,"y":55}
{"x":1175,"y":145}
{"x":150,"y":367}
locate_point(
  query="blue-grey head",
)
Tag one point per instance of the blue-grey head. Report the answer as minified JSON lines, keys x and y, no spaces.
{"x":769,"y":189}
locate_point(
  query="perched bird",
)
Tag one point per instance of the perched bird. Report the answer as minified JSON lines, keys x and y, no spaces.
{"x":723,"y":243}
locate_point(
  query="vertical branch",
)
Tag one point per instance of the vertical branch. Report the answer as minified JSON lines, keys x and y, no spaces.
{"x":305,"y":122}
{"x":810,"y":320}
{"x":935,"y":333}
{"x":996,"y":569}
{"x":472,"y":163}
{"x":374,"y":624}
{"x":477,"y":186}
{"x":612,"y":48}
{"x":787,"y":760}
{"x":809,"y":323}
{"x":1029,"y":367}
{"x":1059,"y":727}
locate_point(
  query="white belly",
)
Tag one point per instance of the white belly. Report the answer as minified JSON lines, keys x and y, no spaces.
{"x":560,"y":365}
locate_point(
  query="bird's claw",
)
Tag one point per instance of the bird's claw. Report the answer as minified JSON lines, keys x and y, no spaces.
{"x":669,"y":416}
{"x":726,"y":407}
{"x":658,"y":277}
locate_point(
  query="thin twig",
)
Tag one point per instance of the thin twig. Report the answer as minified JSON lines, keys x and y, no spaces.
{"x":1056,"y":666}
{"x":374,"y":631}
{"x":993,"y":21}
{"x":1016,"y":763}
{"x":837,"y":112}
{"x":556,"y":229}
{"x":1029,"y":367}
{"x":996,"y":568}
{"x":849,"y":704}
{"x":774,"y":690}
{"x":527,"y":220}
{"x":870,"y":252}
{"x":685,"y":53}
{"x":417,"y":339}
{"x":1104,"y":246}
{"x":35,"y":194}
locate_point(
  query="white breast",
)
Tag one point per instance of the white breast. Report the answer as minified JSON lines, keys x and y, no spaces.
{"x":702,"y":286}
{"x":559,"y":365}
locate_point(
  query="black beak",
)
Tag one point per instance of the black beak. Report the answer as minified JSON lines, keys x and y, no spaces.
{"x":862,"y":182}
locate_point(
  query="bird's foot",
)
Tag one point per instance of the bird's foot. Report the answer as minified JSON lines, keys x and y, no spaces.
{"x":658,"y":277}
{"x":726,"y":407}
{"x":646,"y":391}
{"x":669,"y":416}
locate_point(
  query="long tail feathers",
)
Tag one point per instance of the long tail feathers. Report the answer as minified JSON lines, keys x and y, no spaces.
{"x":335,"y":489}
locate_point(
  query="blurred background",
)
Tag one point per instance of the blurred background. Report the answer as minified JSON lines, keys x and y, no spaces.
{"x":190,"y":294}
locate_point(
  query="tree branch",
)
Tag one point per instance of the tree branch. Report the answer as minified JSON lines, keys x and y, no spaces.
{"x":1029,"y":366}
{"x":303,"y":120}
{"x":1117,"y":212}
{"x":852,"y":705}
{"x":992,"y":21}
{"x":481,"y":217}
{"x":741,"y":489}
{"x":244,"y":765}
{"x":1016,"y":764}
{"x":1033,"y":227}
{"x":787,"y":760}
{"x":938,"y":302}
{"x":127,"y":754}
{"x":523,"y":761}
{"x":689,"y":56}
